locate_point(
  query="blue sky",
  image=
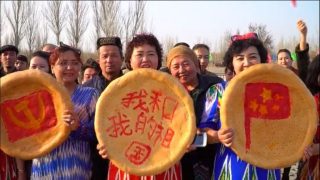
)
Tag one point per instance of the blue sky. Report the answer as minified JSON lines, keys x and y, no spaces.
{"x":191,"y":21}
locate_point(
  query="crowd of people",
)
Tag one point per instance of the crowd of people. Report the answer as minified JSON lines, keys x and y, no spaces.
{"x":82,"y":157}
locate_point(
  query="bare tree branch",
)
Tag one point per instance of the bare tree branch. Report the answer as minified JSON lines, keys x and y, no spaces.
{"x":41,"y":38}
{"x":222,"y":46}
{"x":225,"y":41}
{"x":77,"y":22}
{"x":138,"y":18}
{"x":109,"y":23}
{"x":54,"y":13}
{"x":168,"y":43}
{"x":133,"y":20}
{"x":31,"y":26}
{"x":288,"y":43}
{"x":8,"y":39}
{"x":204,"y":40}
{"x":1,"y":24}
{"x":263,"y":34}
{"x":96,"y":20}
{"x":17,"y":20}
{"x":126,"y":23}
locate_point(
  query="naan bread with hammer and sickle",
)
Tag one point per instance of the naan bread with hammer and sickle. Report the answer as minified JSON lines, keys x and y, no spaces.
{"x":32,"y":103}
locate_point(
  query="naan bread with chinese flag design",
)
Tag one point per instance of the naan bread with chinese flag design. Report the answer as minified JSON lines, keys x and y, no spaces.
{"x":146,"y":121}
{"x":273,"y":115}
{"x":32,"y":103}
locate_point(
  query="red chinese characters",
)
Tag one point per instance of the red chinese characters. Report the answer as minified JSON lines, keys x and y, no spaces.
{"x":137,"y":99}
{"x":137,"y":152}
{"x":120,"y":125}
{"x":267,"y":101}
{"x":28,"y":115}
{"x":154,"y":112}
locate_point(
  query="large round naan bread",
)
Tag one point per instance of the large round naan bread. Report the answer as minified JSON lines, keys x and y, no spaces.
{"x":272,"y":113}
{"x":146,"y":121}
{"x":32,"y":104}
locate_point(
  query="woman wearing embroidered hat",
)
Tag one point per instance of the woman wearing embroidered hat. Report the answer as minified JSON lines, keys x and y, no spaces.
{"x":183,"y":65}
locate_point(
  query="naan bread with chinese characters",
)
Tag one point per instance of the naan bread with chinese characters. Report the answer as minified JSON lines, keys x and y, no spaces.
{"x":146,"y":121}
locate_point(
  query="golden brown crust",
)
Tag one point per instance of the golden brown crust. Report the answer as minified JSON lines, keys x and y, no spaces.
{"x":24,"y":84}
{"x":274,"y":143}
{"x":121,"y":147}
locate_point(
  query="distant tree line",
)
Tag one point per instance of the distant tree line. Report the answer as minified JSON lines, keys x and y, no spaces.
{"x":33,"y":21}
{"x":21,"y":20}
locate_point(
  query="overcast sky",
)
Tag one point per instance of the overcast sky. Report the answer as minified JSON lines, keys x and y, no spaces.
{"x":206,"y":21}
{"x":192,"y":21}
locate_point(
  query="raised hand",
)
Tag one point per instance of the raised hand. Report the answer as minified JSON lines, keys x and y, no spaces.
{"x":302,"y":27}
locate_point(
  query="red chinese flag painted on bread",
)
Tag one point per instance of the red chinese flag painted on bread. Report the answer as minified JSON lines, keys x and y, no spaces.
{"x":265,"y":101}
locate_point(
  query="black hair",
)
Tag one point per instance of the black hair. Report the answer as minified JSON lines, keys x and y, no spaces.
{"x":43,"y":54}
{"x":22,"y":58}
{"x":238,"y":46}
{"x":182,"y":43}
{"x":197,"y":46}
{"x":91,"y":63}
{"x":141,"y":39}
{"x":112,"y":40}
{"x":286,"y":51}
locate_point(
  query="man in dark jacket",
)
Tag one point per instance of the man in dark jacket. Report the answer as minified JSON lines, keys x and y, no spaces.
{"x":110,"y":61}
{"x":8,"y":58}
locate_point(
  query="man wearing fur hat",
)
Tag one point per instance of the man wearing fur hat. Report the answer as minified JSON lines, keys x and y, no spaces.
{"x":110,"y":61}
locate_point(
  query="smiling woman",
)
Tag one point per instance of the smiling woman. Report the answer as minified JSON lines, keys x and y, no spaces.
{"x":242,"y":53}
{"x":143,"y":51}
{"x":72,"y":159}
{"x":65,"y":65}
{"x":40,"y":61}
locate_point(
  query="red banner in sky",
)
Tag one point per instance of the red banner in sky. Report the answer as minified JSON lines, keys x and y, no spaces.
{"x":294,"y":3}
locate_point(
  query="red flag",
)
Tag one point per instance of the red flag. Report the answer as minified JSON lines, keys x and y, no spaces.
{"x":294,"y":3}
{"x":266,"y":101}
{"x":28,"y":115}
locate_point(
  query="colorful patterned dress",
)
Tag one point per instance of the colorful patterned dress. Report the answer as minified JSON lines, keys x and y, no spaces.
{"x":227,"y":165}
{"x":8,"y":167}
{"x":72,"y":159}
{"x":173,"y":173}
